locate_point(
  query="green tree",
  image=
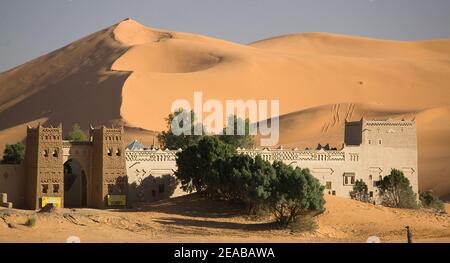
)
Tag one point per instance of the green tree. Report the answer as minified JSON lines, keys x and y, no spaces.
{"x":14,"y":153}
{"x":294,"y":192}
{"x":258,"y":187}
{"x":244,"y":140}
{"x":429,"y":200}
{"x":396,"y":191}
{"x":182,"y":141}
{"x":76,"y":134}
{"x":196,"y":162}
{"x":360,"y":191}
{"x":243,"y":178}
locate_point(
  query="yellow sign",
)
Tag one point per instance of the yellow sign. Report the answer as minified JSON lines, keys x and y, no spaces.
{"x":51,"y":200}
{"x":117,"y":200}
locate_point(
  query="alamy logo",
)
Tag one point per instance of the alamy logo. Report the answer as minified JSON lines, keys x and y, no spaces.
{"x":257,"y":112}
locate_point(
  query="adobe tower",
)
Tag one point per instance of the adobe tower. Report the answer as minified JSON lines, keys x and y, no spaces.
{"x":43,"y":165}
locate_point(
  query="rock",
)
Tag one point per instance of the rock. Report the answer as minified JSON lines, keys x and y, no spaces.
{"x":48,"y":208}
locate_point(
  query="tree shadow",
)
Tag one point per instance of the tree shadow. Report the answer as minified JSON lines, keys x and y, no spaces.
{"x":193,"y":205}
{"x":151,"y":188}
{"x":218,"y":224}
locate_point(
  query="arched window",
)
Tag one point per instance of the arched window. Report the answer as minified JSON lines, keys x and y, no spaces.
{"x":117,"y":152}
{"x":55,"y":153}
{"x":370,"y":177}
{"x":109,"y":152}
{"x":45,"y":153}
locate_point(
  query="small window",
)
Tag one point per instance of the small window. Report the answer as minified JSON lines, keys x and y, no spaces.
{"x":333,"y":192}
{"x":328,"y":185}
{"x":349,"y":178}
{"x":44,"y":188}
{"x":55,"y":188}
{"x":55,"y":153}
{"x":371,"y":194}
{"x":109,"y":152}
{"x":379,"y":141}
{"x":370,"y":141}
{"x":161,"y":188}
{"x":370,"y":177}
{"x":45,"y":153}
{"x":117,"y":152}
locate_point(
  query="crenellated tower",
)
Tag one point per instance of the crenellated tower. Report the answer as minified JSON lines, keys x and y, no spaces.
{"x":44,"y":166}
{"x":108,"y":165}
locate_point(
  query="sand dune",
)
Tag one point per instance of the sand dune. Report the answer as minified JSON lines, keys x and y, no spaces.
{"x":130,"y":74}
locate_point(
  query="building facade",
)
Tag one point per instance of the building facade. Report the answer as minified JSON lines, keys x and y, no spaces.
{"x":102,"y":173}
{"x":371,"y":150}
{"x":44,"y":176}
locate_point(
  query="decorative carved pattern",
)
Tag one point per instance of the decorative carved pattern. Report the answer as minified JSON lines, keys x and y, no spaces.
{"x":266,"y":154}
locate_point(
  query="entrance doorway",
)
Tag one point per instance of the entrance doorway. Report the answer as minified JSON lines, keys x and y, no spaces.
{"x":75,"y":184}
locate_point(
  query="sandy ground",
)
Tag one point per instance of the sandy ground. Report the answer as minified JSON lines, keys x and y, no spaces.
{"x":130,"y":74}
{"x":193,"y":219}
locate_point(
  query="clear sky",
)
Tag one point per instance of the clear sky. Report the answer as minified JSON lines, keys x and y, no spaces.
{"x":30,"y":28}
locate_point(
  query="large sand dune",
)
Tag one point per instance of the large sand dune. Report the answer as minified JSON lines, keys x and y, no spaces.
{"x":130,"y":74}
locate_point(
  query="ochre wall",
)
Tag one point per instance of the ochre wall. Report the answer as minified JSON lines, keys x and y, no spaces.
{"x":12,"y":182}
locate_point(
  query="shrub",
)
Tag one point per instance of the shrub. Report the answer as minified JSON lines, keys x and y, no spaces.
{"x":31,"y":222}
{"x":244,"y":178}
{"x":245,"y":140}
{"x":14,"y":153}
{"x":360,"y":191}
{"x":428,"y":200}
{"x":183,"y":141}
{"x":76,"y":134}
{"x":213,"y":168}
{"x":294,"y":192}
{"x":196,"y":162}
{"x":396,"y":191}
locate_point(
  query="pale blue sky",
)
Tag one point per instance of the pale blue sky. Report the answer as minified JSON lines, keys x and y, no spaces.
{"x":30,"y":28}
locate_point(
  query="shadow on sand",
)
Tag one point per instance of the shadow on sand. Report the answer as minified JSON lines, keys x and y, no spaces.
{"x":192,"y":205}
{"x":217,"y":224}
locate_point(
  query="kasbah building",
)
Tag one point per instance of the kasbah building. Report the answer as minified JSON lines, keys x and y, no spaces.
{"x":103,"y":173}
